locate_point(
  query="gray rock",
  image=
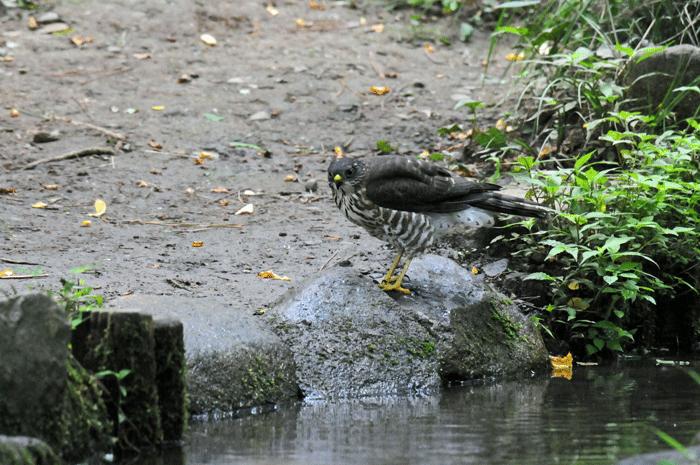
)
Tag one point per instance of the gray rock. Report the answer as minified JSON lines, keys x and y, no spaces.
{"x":479,"y":332}
{"x":233,"y":361}
{"x":350,"y":339}
{"x":34,"y":338}
{"x":259,"y":116}
{"x":24,"y":450}
{"x":495,"y":268}
{"x":651,"y":79}
{"x":668,"y":456}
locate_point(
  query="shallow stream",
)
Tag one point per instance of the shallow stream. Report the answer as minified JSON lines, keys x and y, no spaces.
{"x":603,"y":414}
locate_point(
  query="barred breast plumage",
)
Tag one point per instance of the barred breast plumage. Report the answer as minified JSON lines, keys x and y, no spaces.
{"x":411,"y":203}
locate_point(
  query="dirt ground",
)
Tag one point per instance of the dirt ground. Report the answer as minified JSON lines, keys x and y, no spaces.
{"x":295,"y":91}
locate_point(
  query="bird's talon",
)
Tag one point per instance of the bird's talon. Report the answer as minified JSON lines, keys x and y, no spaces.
{"x":393,"y":287}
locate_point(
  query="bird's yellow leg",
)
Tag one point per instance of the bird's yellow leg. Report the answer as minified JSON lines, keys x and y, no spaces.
{"x":396,"y":285}
{"x":389,"y":276}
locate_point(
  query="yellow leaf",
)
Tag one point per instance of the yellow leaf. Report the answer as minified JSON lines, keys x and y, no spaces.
{"x":428,"y":48}
{"x":208,"y":39}
{"x":39,"y":205}
{"x":338,"y":151}
{"x":7,"y":272}
{"x":301,"y":23}
{"x":100,"y":208}
{"x":197,"y":243}
{"x":14,"y":113}
{"x":577,"y":302}
{"x":272,"y":10}
{"x":378,"y":28}
{"x":86,"y":223}
{"x":573,"y":286}
{"x":379,"y":90}
{"x":316,"y":6}
{"x":290,"y":178}
{"x":474,"y":270}
{"x":562,"y":366}
{"x":271,"y":275}
{"x":159,"y":108}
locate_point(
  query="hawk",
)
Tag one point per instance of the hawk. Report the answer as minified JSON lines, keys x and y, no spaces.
{"x":411,"y":203}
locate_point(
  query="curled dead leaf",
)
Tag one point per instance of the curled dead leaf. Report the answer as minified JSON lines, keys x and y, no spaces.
{"x":378,"y":28}
{"x":39,"y":205}
{"x":189,"y":190}
{"x":290,"y":178}
{"x":7,"y":190}
{"x":301,"y":23}
{"x":7,"y":272}
{"x":100,"y":208}
{"x":475,"y":270}
{"x":428,"y":48}
{"x":158,"y":108}
{"x":142,"y":56}
{"x":271,"y":275}
{"x":51,"y":187}
{"x":32,"y":23}
{"x":143,"y":184}
{"x":379,"y":90}
{"x":197,"y":243}
{"x":316,"y":6}
{"x":155,"y":145}
{"x":86,"y":223}
{"x":223,"y":202}
{"x":220,"y":190}
{"x":272,"y":10}
{"x":14,"y":113}
{"x":247,"y":210}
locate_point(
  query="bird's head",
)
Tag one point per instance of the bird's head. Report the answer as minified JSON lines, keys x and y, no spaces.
{"x":345,"y":174}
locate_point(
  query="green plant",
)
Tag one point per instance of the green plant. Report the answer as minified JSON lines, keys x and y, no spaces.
{"x":77,"y":298}
{"x":620,"y":239}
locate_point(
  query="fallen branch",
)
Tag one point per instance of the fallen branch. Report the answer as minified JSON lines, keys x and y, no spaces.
{"x":79,"y":153}
{"x":17,"y":262}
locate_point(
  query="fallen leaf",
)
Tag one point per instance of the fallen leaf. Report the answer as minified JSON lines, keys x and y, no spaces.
{"x":573,"y":286}
{"x":220,"y":190}
{"x":14,"y":113}
{"x":7,"y":272}
{"x":332,"y":237}
{"x":290,"y":178}
{"x":86,"y":223}
{"x":301,"y":23}
{"x":197,"y":243}
{"x":5,"y":190}
{"x":223,"y":202}
{"x":271,"y":275}
{"x":316,"y":6}
{"x":142,"y":56}
{"x":378,"y":28}
{"x":474,"y":270}
{"x":213,"y":117}
{"x":100,"y":208}
{"x":158,"y":108}
{"x":428,"y":48}
{"x":259,"y":312}
{"x":272,"y":10}
{"x":155,"y":145}
{"x":338,"y":152}
{"x":208,"y":39}
{"x":32,"y":22}
{"x":51,"y":187}
{"x":562,"y":366}
{"x":189,"y":190}
{"x":247,"y":210}
{"x":79,"y":40}
{"x":39,"y":205}
{"x":143,"y":184}
{"x":379,"y":90}
{"x":205,"y":155}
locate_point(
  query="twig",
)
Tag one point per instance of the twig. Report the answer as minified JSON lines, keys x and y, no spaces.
{"x":376,"y":66}
{"x":77,"y":154}
{"x":112,"y":134}
{"x":329,"y":260}
{"x":17,"y":262}
{"x":111,"y":73}
{"x":180,"y":225}
{"x":25,"y":276}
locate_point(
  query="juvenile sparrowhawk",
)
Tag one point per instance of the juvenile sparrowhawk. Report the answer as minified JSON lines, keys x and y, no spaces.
{"x":410,"y":203}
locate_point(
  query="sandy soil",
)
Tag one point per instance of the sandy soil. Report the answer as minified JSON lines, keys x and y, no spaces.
{"x":294,"y":91}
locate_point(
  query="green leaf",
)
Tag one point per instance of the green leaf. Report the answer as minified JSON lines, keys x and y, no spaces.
{"x":539,"y":276}
{"x":517,"y":4}
{"x":582,"y":160}
{"x":465,"y":31}
{"x":629,"y":51}
{"x":214,"y":117}
{"x":244,"y":145}
{"x":610,"y":279}
{"x":599,"y":343}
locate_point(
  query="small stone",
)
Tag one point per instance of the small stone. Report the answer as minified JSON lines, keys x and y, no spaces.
{"x":42,"y":137}
{"x":311,"y":185}
{"x":54,"y":27}
{"x":261,"y":115}
{"x":48,"y":17}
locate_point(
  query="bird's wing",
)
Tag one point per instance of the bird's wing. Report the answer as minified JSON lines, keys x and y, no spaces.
{"x":409,"y":184}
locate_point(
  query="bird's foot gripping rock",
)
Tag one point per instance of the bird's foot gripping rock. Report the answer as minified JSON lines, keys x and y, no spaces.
{"x":393,"y":286}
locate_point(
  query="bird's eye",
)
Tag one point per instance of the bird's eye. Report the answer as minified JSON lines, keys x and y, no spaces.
{"x":349,"y":172}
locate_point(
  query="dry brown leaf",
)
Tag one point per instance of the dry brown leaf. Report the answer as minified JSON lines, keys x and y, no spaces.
{"x":142,"y":56}
{"x":143,"y":184}
{"x":6,"y":190}
{"x":223,"y":202}
{"x":316,"y":6}
{"x":428,"y":48}
{"x":155,"y":145}
{"x":189,"y":190}
{"x":290,"y":178}
{"x":220,"y":190}
{"x":14,"y":113}
{"x":32,"y":23}
{"x":378,"y":28}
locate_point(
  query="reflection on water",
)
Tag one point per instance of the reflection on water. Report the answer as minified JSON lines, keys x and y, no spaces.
{"x":599,"y":417}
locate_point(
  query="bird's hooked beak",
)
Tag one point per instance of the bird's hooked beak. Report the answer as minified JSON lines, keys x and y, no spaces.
{"x":338,"y":180}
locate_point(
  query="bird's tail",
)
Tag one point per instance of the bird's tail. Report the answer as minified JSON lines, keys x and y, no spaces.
{"x":501,"y":203}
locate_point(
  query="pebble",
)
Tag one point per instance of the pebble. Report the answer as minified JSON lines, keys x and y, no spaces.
{"x":261,"y":115}
{"x":41,"y":137}
{"x":48,"y":17}
{"x":311,"y":185}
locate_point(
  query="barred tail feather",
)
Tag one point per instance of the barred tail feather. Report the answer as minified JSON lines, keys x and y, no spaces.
{"x":501,"y":203}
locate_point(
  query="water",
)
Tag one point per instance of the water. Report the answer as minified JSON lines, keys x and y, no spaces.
{"x":602,"y":415}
